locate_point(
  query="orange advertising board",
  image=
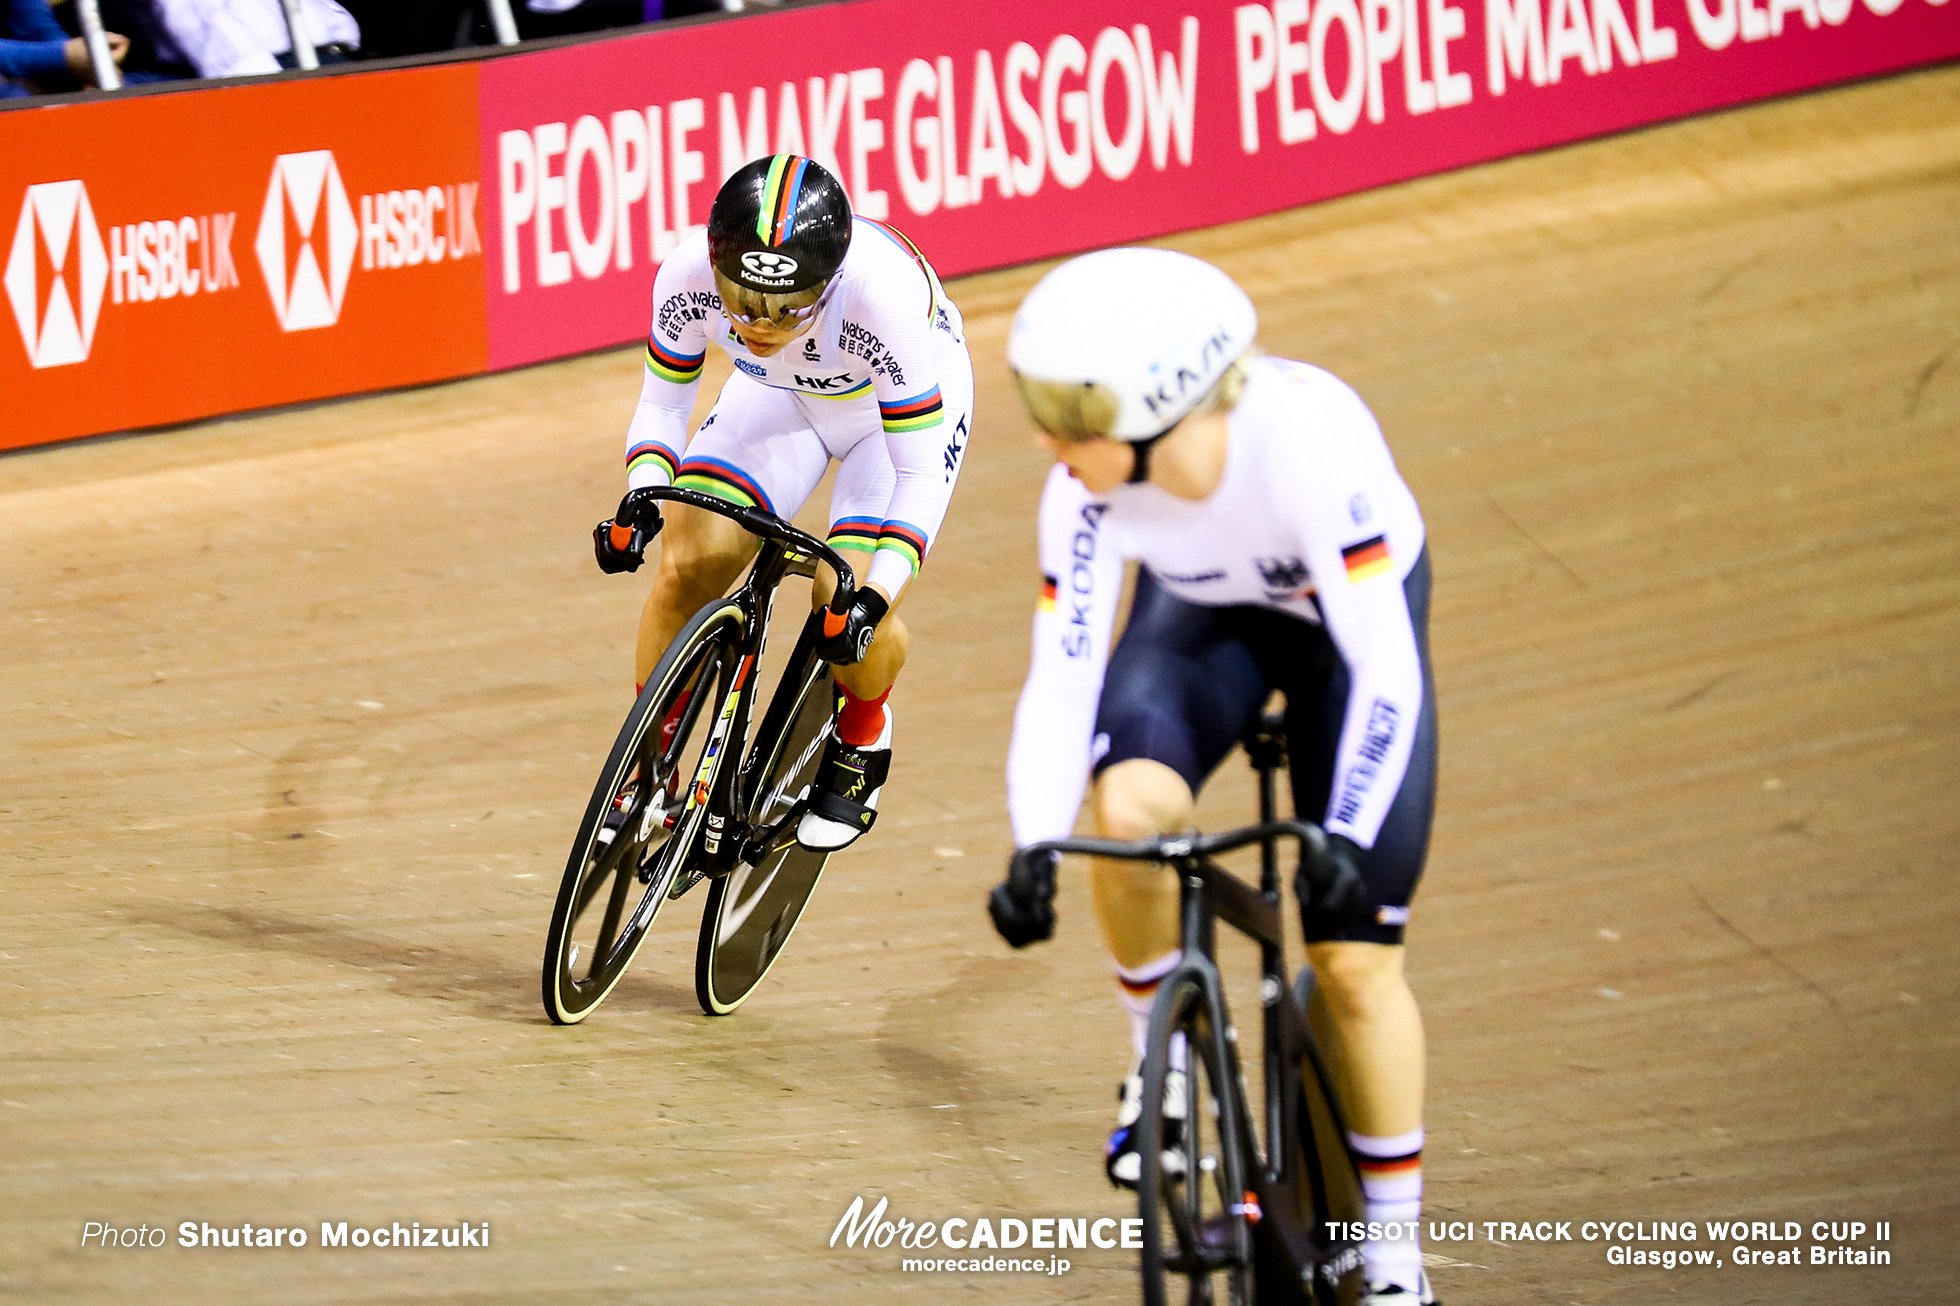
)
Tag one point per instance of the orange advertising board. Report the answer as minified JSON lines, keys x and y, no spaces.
{"x":171,"y":256}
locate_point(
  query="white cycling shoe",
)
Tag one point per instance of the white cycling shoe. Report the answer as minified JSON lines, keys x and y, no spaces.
{"x":1394,"y":1294}
{"x":1121,"y":1160}
{"x":844,"y":799}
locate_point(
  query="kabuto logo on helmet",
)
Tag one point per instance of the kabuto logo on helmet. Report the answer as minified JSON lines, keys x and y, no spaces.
{"x":769,"y":267}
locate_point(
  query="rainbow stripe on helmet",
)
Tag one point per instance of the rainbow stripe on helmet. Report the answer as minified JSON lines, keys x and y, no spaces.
{"x":775,"y":220}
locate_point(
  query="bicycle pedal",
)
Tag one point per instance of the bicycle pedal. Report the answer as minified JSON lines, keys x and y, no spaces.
{"x":684,"y":881}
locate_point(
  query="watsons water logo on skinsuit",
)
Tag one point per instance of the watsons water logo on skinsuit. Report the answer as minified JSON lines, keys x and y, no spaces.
{"x":304,"y":189}
{"x":57,"y":273}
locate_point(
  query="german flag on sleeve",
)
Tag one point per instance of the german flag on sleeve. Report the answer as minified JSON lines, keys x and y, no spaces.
{"x":1047,"y":603}
{"x":1368,"y":558}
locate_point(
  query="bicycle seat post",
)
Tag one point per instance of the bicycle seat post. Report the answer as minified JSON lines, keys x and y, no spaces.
{"x":1265,"y":748}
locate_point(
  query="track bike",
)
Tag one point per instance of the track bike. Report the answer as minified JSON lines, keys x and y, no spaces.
{"x":690,"y":794}
{"x":1257,"y":1212}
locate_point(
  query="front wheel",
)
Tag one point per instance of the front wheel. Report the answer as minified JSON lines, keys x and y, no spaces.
{"x":642,"y":825}
{"x":1191,"y":1192}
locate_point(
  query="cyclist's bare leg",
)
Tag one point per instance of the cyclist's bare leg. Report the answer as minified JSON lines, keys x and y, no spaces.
{"x":1364,"y":1015}
{"x":701,"y":555}
{"x":891,"y":643}
{"x":1136,"y":903}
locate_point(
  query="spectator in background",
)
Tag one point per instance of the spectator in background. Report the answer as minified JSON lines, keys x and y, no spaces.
{"x":37,"y":57}
{"x":655,"y":10}
{"x":244,"y":38}
{"x":390,"y":28}
{"x":398,"y":27}
{"x":153,"y":56}
{"x":536,"y":18}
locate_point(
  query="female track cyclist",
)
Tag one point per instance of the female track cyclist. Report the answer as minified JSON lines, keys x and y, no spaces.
{"x":845,"y":347}
{"x":1279,"y":550}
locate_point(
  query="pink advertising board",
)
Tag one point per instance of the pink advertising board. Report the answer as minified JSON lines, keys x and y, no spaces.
{"x":520,"y":203}
{"x":997,"y":134}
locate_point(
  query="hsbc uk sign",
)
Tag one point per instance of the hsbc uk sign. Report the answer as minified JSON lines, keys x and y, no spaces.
{"x":309,"y":236}
{"x":61,"y":272}
{"x":306,"y":215}
{"x":56,"y":273}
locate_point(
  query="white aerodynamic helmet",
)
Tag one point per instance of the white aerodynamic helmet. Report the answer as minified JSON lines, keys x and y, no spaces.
{"x":1123,"y":343}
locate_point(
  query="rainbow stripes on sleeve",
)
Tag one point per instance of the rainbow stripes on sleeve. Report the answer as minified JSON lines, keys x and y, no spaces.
{"x":856,"y":533}
{"x":670,"y":364}
{"x":872,"y":534}
{"x":1368,"y":558}
{"x":651,"y":454}
{"x":905,"y":540}
{"x":918,"y":413}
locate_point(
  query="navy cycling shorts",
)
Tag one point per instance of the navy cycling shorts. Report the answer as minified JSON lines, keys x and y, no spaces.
{"x":1186,"y":682}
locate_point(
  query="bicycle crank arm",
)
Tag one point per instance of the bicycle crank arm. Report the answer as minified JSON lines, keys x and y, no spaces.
{"x":770,"y":841}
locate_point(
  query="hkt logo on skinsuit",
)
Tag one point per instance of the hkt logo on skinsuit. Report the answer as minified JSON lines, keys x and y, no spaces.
{"x":306,"y":192}
{"x":57,"y":273}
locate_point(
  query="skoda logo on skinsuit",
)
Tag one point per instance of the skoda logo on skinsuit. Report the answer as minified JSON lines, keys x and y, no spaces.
{"x":57,"y":311}
{"x":769,"y":266}
{"x":306,"y":265}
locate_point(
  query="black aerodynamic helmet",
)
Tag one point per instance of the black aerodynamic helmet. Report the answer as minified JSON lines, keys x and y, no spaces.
{"x":779,"y":226}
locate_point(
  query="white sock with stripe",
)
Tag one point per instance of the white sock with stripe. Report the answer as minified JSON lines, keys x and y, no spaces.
{"x":1391,"y":1181}
{"x":1137,"y":990}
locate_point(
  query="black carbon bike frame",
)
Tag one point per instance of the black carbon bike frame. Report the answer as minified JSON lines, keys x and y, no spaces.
{"x":1304,"y":1179}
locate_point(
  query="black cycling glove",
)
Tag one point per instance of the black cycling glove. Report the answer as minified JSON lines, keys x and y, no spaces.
{"x":621,"y":543}
{"x":848,"y":638}
{"x":1023,"y":906}
{"x":1330,"y":888}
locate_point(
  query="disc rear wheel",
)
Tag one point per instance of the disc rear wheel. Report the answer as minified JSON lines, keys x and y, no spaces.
{"x":752,"y":910}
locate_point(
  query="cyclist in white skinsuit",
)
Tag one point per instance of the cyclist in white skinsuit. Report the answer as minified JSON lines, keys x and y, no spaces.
{"x":845,"y":347}
{"x":1280,"y":550}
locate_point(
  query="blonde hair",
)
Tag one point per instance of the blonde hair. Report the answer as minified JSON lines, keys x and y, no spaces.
{"x":1087,"y":410}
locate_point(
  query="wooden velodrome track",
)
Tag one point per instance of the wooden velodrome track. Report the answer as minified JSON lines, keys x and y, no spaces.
{"x":300,"y":711}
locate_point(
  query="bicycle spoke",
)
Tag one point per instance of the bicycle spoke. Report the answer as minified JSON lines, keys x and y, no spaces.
{"x":609,"y":926}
